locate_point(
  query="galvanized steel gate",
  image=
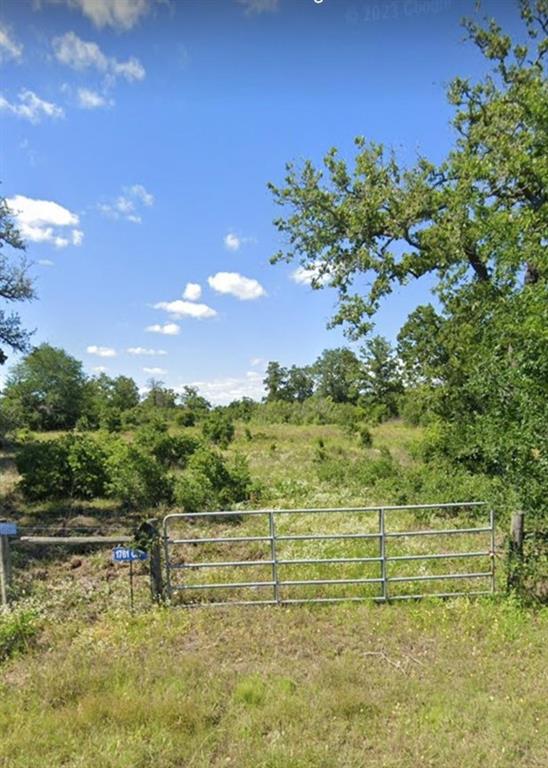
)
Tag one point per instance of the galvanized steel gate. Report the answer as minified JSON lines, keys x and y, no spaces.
{"x":380,"y":586}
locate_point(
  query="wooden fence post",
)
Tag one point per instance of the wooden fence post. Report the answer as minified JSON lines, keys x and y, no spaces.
{"x":5,"y":569}
{"x":515,"y":554}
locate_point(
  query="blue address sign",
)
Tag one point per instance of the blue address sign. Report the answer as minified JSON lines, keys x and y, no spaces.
{"x":8,"y":529}
{"x":127,"y":555}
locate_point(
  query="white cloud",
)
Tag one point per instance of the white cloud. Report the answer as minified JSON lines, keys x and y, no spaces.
{"x":99,"y":369}
{"x":45,"y":263}
{"x":181,"y":308}
{"x":120,"y":14}
{"x":80,"y":54}
{"x":168,"y":329}
{"x":9,"y":49}
{"x":155,"y":371}
{"x":259,"y":6}
{"x":137,"y":351}
{"x":192,"y":291}
{"x":304,"y":276}
{"x":43,"y":221}
{"x":222,"y":390}
{"x":257,"y":362}
{"x":127,"y":205}
{"x":139,"y":192}
{"x":234,"y":242}
{"x":31,"y":107}
{"x":101,"y":351}
{"x":88,"y":99}
{"x":244,"y":288}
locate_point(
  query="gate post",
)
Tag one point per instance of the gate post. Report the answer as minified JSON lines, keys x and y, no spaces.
{"x":5,"y":569}
{"x":148,"y":537}
{"x":515,"y":550}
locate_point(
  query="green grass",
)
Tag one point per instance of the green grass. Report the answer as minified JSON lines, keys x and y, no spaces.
{"x":458,"y":684}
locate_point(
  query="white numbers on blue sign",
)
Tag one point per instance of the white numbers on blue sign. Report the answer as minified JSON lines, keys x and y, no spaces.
{"x":125,"y":554}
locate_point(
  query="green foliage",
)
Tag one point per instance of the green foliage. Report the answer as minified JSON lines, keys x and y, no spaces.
{"x":169,"y":450}
{"x":15,"y":285}
{"x":365,"y":437}
{"x":477,"y":224}
{"x":18,"y":627}
{"x":218,"y":428}
{"x":87,"y":466}
{"x":211,"y":483}
{"x":136,"y":478}
{"x":46,"y":390}
{"x":44,"y":469}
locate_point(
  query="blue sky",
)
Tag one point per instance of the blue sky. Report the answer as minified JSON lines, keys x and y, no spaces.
{"x":136,"y":141}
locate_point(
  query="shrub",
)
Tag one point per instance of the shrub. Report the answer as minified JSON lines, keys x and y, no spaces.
{"x":365,"y":438}
{"x":87,"y":461}
{"x":218,"y":428}
{"x":18,"y":627}
{"x":136,"y":478}
{"x":70,"y":466}
{"x":45,"y":470}
{"x":169,"y":450}
{"x":210,"y":483}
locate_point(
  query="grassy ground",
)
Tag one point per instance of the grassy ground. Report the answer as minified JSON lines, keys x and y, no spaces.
{"x":458,"y":683}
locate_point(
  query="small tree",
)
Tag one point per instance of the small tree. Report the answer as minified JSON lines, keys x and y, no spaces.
{"x":46,"y":390}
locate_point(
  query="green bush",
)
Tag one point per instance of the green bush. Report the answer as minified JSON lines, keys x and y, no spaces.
{"x":210,"y":483}
{"x":70,"y":466}
{"x":365,"y":438}
{"x":136,"y":478}
{"x":45,"y":470}
{"x":18,"y":627}
{"x":218,"y":428}
{"x":169,"y":450}
{"x":87,"y":460}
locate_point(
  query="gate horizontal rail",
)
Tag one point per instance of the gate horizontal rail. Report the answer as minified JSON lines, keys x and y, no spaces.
{"x":277,"y":561}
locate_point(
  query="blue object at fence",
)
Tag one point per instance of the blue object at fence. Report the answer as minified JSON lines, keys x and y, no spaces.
{"x":8,"y":529}
{"x":126,"y":555}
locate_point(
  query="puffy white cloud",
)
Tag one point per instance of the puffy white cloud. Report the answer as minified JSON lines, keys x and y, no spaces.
{"x":43,"y":221}
{"x":304,"y":276}
{"x":168,"y":329}
{"x":232,"y":241}
{"x":119,"y":14}
{"x":144,"y":351}
{"x":88,"y":99}
{"x":31,"y":107}
{"x":99,"y":369}
{"x":244,"y":288}
{"x":259,"y":6}
{"x":180,"y":308}
{"x":128,"y":205}
{"x":45,"y":262}
{"x":192,"y":291}
{"x":93,"y":349}
{"x":80,"y":54}
{"x":9,"y":49}
{"x":257,"y":362}
{"x":155,"y":371}
{"x":221,"y":391}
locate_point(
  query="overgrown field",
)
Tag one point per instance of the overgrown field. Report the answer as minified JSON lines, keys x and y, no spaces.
{"x":459,"y":684}
{"x":84,"y":682}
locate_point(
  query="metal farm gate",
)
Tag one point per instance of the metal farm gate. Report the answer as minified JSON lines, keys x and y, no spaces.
{"x":386,"y":553}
